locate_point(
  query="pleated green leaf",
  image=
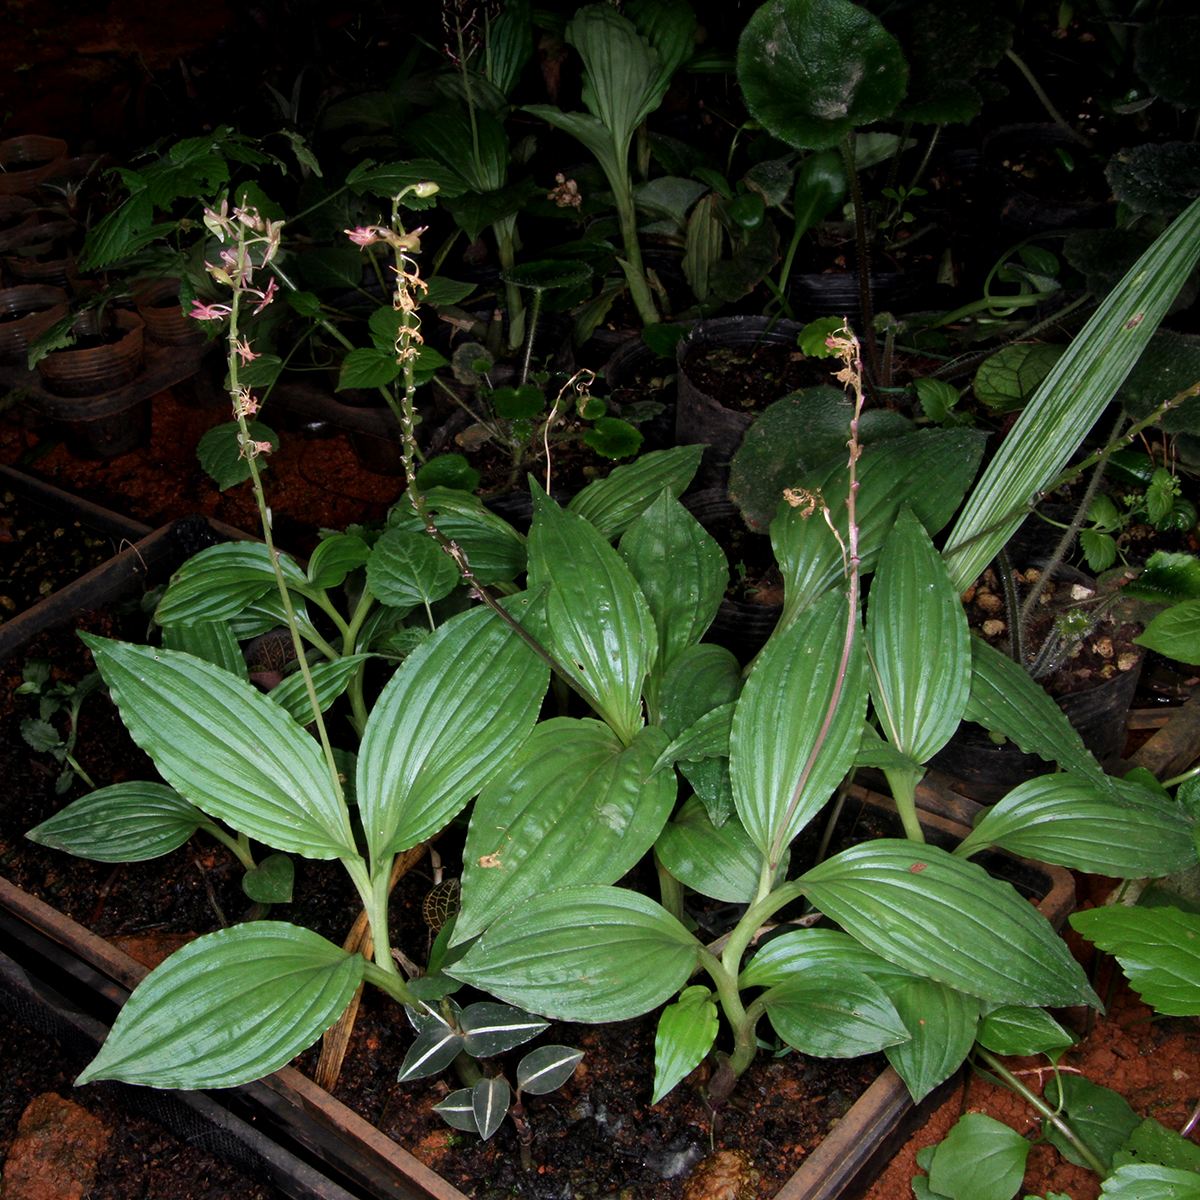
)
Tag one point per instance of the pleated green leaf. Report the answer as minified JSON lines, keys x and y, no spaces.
{"x":682,"y":573}
{"x":1126,"y":831}
{"x":719,"y":862}
{"x":225,"y":747}
{"x":917,"y":636}
{"x":335,"y":557}
{"x":1005,"y":699}
{"x":220,"y":581}
{"x":707,"y":738}
{"x":941,"y":1024}
{"x":457,"y":707}
{"x":702,"y":678}
{"x":127,"y":822}
{"x":947,"y":920}
{"x":230,"y":1007}
{"x":599,"y":626}
{"x":1071,"y":398}
{"x":613,"y":503}
{"x":1013,"y":1029}
{"x":572,"y":806}
{"x":783,"y":761}
{"x":685,"y":1034}
{"x":836,"y":1012}
{"x":590,"y":954}
{"x":213,"y":641}
{"x":816,"y":949}
{"x":329,"y":682}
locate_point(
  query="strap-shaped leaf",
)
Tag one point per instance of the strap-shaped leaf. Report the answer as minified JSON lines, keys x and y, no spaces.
{"x":836,"y":1012}
{"x":456,"y":708}
{"x":220,"y":581}
{"x":406,"y":569}
{"x":230,"y":1007}
{"x":334,"y":558}
{"x":598,"y":624}
{"x":1158,"y":949}
{"x":1006,"y":700}
{"x":719,"y":862}
{"x":941,"y":1025}
{"x":572,"y":806}
{"x":613,"y":503}
{"x":686,"y":1032}
{"x":809,"y":949}
{"x":127,"y":822}
{"x":582,"y":954}
{"x":213,"y":641}
{"x":1072,"y":398}
{"x":1127,"y":831}
{"x":226,"y":748}
{"x":785,"y":756}
{"x":918,"y":640}
{"x":682,"y":573}
{"x":547,"y":1068}
{"x":330,"y":680}
{"x":947,"y":920}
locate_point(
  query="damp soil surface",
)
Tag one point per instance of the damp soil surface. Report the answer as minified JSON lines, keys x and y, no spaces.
{"x":745,"y":378}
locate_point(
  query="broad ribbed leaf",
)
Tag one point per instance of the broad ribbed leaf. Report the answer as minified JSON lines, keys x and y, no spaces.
{"x":941,"y":1025}
{"x":213,"y":641}
{"x":591,"y":954}
{"x":836,"y":1012}
{"x":1149,"y":1181}
{"x":814,"y":70}
{"x":947,"y":920}
{"x":230,"y":1007}
{"x":127,"y":822}
{"x":783,"y":760}
{"x":547,"y":1068}
{"x":1158,"y":949}
{"x":329,"y":682}
{"x":335,"y":557}
{"x":406,"y":569}
{"x":598,"y":624}
{"x":227,"y":748}
{"x":686,"y":1032}
{"x":702,"y":678}
{"x":891,"y":474}
{"x":490,"y":1029}
{"x":918,"y":640}
{"x":707,"y":738}
{"x":457,"y":707}
{"x":719,"y":862}
{"x":1006,"y":700}
{"x":809,"y":949}
{"x":1014,"y":1029}
{"x":1071,"y":398}
{"x":682,"y":573}
{"x":1125,"y":830}
{"x":613,"y":503}
{"x":220,"y":581}
{"x":573,"y":806}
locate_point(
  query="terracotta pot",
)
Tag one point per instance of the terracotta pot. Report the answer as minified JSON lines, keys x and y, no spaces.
{"x":47,"y":262}
{"x":27,"y":160}
{"x":157,"y":303}
{"x":96,"y":370}
{"x":26,"y":312}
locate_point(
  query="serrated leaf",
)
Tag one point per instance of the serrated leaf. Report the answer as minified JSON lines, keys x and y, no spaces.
{"x":572,"y":806}
{"x":271,"y":881}
{"x":434,"y":1048}
{"x":457,"y":706}
{"x":1158,"y":949}
{"x":368,"y":367}
{"x":920,"y":655}
{"x":547,"y":1068}
{"x":227,"y":748}
{"x":686,"y":1032}
{"x":947,"y":920}
{"x":126,"y":822}
{"x":220,"y":452}
{"x":613,"y":503}
{"x":40,"y":736}
{"x":1153,"y":1142}
{"x":786,"y":754}
{"x":213,"y":641}
{"x":719,"y":862}
{"x":1015,"y":1029}
{"x":490,"y":1029}
{"x":489,"y":1100}
{"x":981,"y":1158}
{"x":1124,"y":830}
{"x":941,"y":1024}
{"x":229,"y":1007}
{"x":590,"y":954}
{"x":1175,"y":633}
{"x":406,"y":569}
{"x":598,"y":625}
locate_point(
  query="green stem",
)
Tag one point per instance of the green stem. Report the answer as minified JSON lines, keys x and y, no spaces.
{"x":74,"y":765}
{"x":752,"y":919}
{"x":535,"y":310}
{"x":1040,"y":1106}
{"x":390,"y":982}
{"x":903,"y":784}
{"x":635,"y":272}
{"x":238,"y":846}
{"x":1044,"y":100}
{"x":1190,"y":773}
{"x":1016,"y":638}
{"x":670,"y":890}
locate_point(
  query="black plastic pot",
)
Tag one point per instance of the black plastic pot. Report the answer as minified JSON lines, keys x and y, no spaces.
{"x":30,"y":310}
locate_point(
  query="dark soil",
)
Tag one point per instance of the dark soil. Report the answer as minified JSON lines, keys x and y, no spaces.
{"x":752,"y":377}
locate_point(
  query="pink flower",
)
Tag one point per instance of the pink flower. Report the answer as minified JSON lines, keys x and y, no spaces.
{"x":209,"y":312}
{"x":266,"y":297}
{"x":244,"y":352}
{"x":365,"y":235}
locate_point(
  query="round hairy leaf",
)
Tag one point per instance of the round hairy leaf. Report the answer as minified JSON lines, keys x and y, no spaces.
{"x":229,"y":1007}
{"x":812,"y":71}
{"x":1165,"y":55}
{"x":1160,"y":178}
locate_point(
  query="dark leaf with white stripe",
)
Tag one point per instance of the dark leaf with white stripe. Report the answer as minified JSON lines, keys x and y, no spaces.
{"x":547,"y":1068}
{"x":433,"y":1050}
{"x":489,"y":1099}
{"x":491,"y":1029}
